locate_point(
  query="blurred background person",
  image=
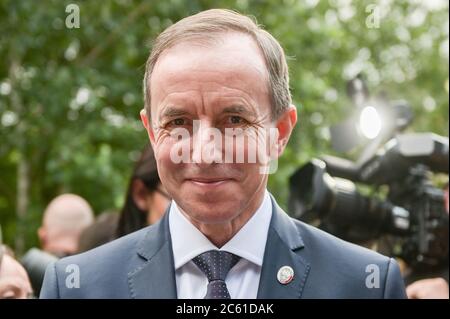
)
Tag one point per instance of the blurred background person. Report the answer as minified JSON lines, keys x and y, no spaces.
{"x":64,"y":219}
{"x":145,"y":203}
{"x":431,"y":288}
{"x":14,"y":281}
{"x":103,"y":230}
{"x":146,"y":199}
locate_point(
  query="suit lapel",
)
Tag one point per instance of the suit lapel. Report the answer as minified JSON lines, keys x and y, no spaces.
{"x":155,"y":277}
{"x":282,"y":247}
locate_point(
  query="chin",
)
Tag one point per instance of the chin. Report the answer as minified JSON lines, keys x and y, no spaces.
{"x":210,"y":212}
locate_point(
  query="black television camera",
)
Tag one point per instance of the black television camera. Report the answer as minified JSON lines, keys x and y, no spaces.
{"x":412,"y":209}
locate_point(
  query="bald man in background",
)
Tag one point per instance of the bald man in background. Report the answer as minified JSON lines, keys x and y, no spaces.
{"x":65,"y":217}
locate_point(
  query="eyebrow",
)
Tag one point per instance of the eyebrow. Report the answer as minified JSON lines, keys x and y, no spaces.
{"x":236,"y":109}
{"x":172,"y":112}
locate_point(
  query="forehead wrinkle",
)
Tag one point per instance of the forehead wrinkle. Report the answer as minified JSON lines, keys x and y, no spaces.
{"x":208,"y":96}
{"x":238,"y":82}
{"x":184,"y":58}
{"x":219,"y":92}
{"x":226,"y":103}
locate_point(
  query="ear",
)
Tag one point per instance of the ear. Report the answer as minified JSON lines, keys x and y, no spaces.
{"x":146,"y":122}
{"x":140,"y":194}
{"x":285,"y":124}
{"x":42,"y":234}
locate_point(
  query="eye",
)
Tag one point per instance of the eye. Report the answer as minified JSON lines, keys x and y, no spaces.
{"x":178,"y":122}
{"x":234,"y":119}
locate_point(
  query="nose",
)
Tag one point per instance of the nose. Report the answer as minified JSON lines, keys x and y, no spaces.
{"x":207,"y":143}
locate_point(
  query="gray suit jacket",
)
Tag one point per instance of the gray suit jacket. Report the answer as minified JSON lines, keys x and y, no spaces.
{"x":140,"y":265}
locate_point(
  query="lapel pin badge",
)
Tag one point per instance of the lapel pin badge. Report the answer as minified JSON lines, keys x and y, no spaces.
{"x":285,"y":275}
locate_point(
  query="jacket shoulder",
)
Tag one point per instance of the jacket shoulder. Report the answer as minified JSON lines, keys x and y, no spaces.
{"x":101,"y":272}
{"x":312,"y":236}
{"x":347,"y":270}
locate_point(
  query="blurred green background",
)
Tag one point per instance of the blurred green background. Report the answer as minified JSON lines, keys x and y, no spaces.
{"x":70,"y":98}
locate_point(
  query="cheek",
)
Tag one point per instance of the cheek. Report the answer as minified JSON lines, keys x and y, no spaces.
{"x":165,"y":165}
{"x":252,"y":147}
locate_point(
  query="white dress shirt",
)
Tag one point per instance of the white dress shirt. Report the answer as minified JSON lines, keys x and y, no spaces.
{"x":249,"y":243}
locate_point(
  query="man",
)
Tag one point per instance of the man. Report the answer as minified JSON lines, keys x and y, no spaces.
{"x":430,"y":288}
{"x":14,"y":281}
{"x":218,"y":73}
{"x":65,"y":217}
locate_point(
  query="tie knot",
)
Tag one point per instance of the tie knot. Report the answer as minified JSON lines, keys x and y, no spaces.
{"x":216,"y":264}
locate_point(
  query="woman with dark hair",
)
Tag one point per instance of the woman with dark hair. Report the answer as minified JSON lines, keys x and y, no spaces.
{"x":145,"y":203}
{"x":146,"y":200}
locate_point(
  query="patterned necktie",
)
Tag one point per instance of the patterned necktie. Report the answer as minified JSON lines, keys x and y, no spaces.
{"x":215,"y":265}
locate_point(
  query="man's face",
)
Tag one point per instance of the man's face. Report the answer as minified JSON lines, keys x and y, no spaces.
{"x":222,"y":85}
{"x":14,"y":282}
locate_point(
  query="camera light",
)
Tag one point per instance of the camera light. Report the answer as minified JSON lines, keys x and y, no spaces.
{"x":370,"y":122}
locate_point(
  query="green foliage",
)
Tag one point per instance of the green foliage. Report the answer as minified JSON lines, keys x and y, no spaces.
{"x":70,"y":98}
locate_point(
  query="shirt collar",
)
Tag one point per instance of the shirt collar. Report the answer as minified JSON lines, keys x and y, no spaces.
{"x":248,"y":243}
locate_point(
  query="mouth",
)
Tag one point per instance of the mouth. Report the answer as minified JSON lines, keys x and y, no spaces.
{"x":208,"y":182}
